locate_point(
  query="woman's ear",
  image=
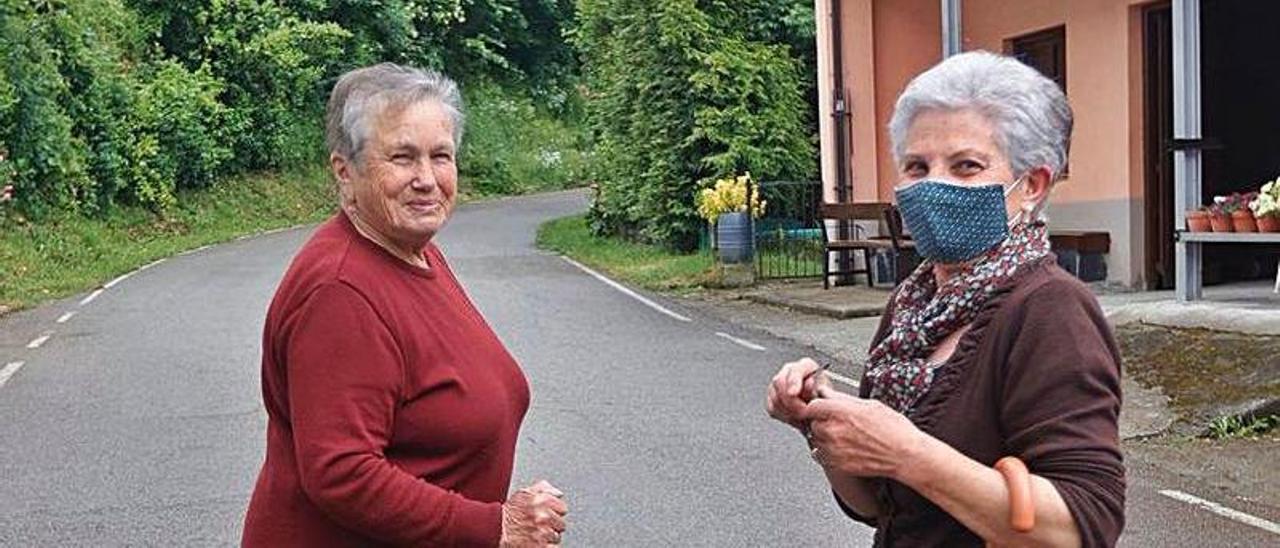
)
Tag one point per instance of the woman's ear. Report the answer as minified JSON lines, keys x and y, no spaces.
{"x":341,"y":169}
{"x":1038,"y":184}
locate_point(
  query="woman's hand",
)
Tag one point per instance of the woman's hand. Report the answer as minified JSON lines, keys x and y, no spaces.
{"x":860,"y":437}
{"x":794,"y":385}
{"x":533,"y":516}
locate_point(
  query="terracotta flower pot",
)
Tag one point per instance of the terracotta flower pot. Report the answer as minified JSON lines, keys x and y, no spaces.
{"x":1220,"y":222}
{"x":1198,"y":221}
{"x":1269,"y":223}
{"x":1242,"y":220}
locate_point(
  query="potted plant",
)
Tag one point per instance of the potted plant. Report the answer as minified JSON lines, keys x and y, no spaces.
{"x":1237,"y":205}
{"x":1220,"y":214}
{"x":724,"y":206}
{"x":1198,"y":220}
{"x":1266,"y":207}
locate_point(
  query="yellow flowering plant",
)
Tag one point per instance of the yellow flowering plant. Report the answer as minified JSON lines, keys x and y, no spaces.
{"x":728,"y":195}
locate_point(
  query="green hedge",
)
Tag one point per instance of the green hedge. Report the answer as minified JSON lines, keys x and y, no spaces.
{"x":107,"y":103}
{"x":680,"y":92}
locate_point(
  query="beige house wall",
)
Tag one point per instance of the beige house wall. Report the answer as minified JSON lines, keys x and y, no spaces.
{"x":887,"y":42}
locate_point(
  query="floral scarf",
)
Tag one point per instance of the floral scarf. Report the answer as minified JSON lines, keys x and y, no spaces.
{"x":923,"y":314}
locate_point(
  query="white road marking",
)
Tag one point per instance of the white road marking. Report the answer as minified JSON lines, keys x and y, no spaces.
{"x":148,"y":265}
{"x":66,"y":316}
{"x":196,"y":250}
{"x":626,"y":291}
{"x":91,"y":296}
{"x":1268,"y":526}
{"x":118,"y":279}
{"x":36,"y":342}
{"x":9,"y":370}
{"x":741,"y":342}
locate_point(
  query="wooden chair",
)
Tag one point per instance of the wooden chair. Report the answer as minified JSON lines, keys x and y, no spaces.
{"x":882,"y":212}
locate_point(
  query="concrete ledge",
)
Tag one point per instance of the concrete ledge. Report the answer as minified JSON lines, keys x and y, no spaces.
{"x":1203,"y":315}
{"x":839,"y":303}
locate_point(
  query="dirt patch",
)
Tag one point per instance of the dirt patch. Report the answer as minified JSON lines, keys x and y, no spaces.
{"x":1206,"y":374}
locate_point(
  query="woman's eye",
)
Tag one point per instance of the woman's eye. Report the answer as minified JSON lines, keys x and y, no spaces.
{"x":968,"y":167}
{"x":915,"y":168}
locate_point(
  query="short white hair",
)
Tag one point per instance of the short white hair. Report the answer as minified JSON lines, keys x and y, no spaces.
{"x":363,"y":94}
{"x":1029,"y":112}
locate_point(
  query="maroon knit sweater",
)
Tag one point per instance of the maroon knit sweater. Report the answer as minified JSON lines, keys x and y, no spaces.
{"x":393,"y":409}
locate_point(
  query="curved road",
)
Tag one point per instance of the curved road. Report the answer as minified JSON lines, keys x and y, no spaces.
{"x":138,"y":420}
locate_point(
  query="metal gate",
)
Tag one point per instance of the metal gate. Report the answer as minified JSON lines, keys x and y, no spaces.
{"x":788,"y":237}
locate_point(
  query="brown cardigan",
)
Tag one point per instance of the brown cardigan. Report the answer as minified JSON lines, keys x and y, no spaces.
{"x":1037,"y":376}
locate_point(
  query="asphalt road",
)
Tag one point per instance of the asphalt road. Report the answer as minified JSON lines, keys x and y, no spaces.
{"x":138,"y":421}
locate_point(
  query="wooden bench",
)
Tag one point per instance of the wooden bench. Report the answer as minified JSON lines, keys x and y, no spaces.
{"x":889,"y":220}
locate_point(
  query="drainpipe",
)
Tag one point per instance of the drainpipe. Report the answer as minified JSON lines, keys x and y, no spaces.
{"x":950,"y":28}
{"x":840,"y":109}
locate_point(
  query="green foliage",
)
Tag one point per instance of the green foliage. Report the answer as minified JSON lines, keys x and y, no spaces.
{"x":274,"y":66}
{"x":34,"y":125}
{"x":1235,"y":426}
{"x":106,"y":103}
{"x":514,"y":146}
{"x":680,"y":92}
{"x":180,"y":109}
{"x":89,"y":125}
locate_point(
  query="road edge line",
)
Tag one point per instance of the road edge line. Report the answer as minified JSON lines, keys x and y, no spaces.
{"x":1229,"y":513}
{"x":625,"y":291}
{"x":741,"y":342}
{"x":9,"y":370}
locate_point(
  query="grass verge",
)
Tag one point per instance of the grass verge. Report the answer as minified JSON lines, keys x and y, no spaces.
{"x":647,"y":266}
{"x":66,"y":255}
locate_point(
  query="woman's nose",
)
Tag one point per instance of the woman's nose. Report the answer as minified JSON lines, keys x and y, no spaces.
{"x":424,"y":177}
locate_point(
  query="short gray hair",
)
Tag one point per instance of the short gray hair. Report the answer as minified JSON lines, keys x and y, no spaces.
{"x":363,"y":94}
{"x":1030,"y":114}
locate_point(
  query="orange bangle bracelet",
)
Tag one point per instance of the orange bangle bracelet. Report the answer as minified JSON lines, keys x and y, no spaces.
{"x":1022,"y":512}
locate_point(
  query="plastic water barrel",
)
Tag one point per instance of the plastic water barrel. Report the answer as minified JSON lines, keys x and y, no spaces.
{"x":733,"y":236}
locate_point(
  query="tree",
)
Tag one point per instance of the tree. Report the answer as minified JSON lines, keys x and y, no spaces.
{"x":678,"y":93}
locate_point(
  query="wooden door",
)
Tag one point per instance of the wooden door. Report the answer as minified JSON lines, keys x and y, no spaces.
{"x":1158,"y":137}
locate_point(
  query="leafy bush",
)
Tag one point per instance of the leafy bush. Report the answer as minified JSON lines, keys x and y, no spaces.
{"x":180,"y":109}
{"x":275,"y":68}
{"x":678,"y":93}
{"x":88,"y":125}
{"x":108,"y":102}
{"x":34,"y":125}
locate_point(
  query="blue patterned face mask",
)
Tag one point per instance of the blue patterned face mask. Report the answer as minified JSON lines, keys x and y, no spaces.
{"x":951,"y":222}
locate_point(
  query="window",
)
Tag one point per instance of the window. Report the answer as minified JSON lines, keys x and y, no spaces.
{"x":1045,"y":51}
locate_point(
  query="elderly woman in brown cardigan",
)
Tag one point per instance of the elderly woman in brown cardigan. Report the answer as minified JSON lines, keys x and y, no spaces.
{"x":988,"y":350}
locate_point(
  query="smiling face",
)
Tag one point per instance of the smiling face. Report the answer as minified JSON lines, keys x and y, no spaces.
{"x":403,"y":189}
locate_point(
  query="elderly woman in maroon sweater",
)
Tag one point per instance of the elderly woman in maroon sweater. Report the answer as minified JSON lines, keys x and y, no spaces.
{"x":987,"y":351}
{"x":393,"y":409}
